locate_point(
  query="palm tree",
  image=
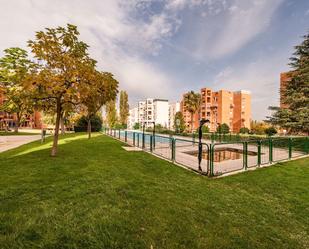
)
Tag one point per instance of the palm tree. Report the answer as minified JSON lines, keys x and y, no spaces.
{"x":192,"y":102}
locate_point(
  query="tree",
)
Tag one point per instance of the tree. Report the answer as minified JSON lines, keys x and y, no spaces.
{"x":14,"y":67}
{"x":179,"y":122}
{"x":295,"y":116}
{"x":258,"y":127}
{"x":192,"y":102}
{"x":57,"y":85}
{"x":223,"y":128}
{"x":111,"y":113}
{"x":123,"y":108}
{"x":244,"y":130}
{"x":205,"y":129}
{"x":270,"y":131}
{"x":136,"y":126}
{"x":97,"y":89}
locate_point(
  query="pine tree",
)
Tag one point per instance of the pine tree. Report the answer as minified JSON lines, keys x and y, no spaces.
{"x":295,"y":116}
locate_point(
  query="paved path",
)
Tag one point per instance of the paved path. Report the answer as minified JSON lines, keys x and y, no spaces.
{"x":10,"y":142}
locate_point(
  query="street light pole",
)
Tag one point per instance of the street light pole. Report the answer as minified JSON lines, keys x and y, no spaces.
{"x":200,"y":146}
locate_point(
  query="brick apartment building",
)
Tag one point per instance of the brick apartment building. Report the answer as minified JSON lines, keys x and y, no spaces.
{"x":232,"y":108}
{"x":285,"y":77}
{"x":8,"y":120}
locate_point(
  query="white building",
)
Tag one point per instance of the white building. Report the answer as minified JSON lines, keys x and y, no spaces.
{"x":172,"y":109}
{"x":133,"y":117}
{"x":148,"y":112}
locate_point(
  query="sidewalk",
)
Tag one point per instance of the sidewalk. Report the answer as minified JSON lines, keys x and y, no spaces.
{"x":10,"y":142}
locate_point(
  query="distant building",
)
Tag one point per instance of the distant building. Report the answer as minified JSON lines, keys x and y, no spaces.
{"x":133,"y":117}
{"x":172,"y":109}
{"x":232,"y":108}
{"x":149,"y":111}
{"x":284,"y":80}
{"x":8,"y":120}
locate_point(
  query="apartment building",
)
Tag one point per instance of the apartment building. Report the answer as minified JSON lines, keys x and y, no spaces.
{"x":8,"y":120}
{"x":150,"y":111}
{"x":133,"y":117}
{"x":285,"y":77}
{"x":232,"y":108}
{"x":172,"y":109}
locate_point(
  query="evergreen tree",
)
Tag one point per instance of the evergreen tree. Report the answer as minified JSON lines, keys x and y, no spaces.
{"x":295,"y":116}
{"x":111,"y":113}
{"x":123,"y":108}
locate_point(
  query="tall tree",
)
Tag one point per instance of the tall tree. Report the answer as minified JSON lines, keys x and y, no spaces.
{"x":57,"y":84}
{"x":111,"y":113}
{"x":98,"y":89}
{"x":179,"y":122}
{"x":14,"y":67}
{"x":123,"y":108}
{"x":295,"y":116}
{"x":192,"y":102}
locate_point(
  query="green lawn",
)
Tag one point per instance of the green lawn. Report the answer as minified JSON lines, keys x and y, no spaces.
{"x":94,"y":194}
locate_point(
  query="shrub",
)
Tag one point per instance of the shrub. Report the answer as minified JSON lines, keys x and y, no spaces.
{"x":244,"y":130}
{"x":270,"y":131}
{"x":82,"y":124}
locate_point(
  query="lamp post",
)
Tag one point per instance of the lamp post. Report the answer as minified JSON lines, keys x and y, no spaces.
{"x":200,"y":146}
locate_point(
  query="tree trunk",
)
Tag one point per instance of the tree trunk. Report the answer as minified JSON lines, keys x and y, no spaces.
{"x":56,"y":135}
{"x":17,"y":123}
{"x":89,"y":128}
{"x":62,"y":125}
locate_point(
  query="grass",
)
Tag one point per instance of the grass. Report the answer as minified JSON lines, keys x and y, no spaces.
{"x":94,"y":194}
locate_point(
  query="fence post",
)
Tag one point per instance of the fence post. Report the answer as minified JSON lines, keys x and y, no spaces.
{"x":270,"y":150}
{"x":119,"y":134}
{"x":125,"y":136}
{"x":151,"y":143}
{"x":245,"y":154}
{"x":173,"y":149}
{"x":137,"y":139}
{"x":307,"y":145}
{"x":259,"y":153}
{"x":115,"y":133}
{"x":133,"y":138}
{"x":211,"y":159}
{"x":290,"y":147}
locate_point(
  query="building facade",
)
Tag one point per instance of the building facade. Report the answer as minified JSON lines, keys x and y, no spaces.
{"x":149,"y":112}
{"x":133,"y":117}
{"x":285,"y":77}
{"x":231,"y":108}
{"x":8,"y":120}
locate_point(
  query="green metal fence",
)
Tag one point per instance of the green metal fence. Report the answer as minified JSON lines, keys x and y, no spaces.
{"x":217,"y":158}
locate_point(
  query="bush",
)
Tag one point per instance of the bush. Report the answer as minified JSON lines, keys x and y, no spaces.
{"x":270,"y":131}
{"x":82,"y":124}
{"x":205,"y":129}
{"x":223,"y":128}
{"x":244,"y":130}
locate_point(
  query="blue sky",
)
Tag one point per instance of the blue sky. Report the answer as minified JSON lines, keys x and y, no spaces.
{"x":165,"y":48}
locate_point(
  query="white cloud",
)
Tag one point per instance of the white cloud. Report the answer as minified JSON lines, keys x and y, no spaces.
{"x":242,"y":22}
{"x":260,"y":77}
{"x":116,"y":40}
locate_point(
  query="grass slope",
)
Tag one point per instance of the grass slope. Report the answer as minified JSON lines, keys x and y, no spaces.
{"x":97,"y":195}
